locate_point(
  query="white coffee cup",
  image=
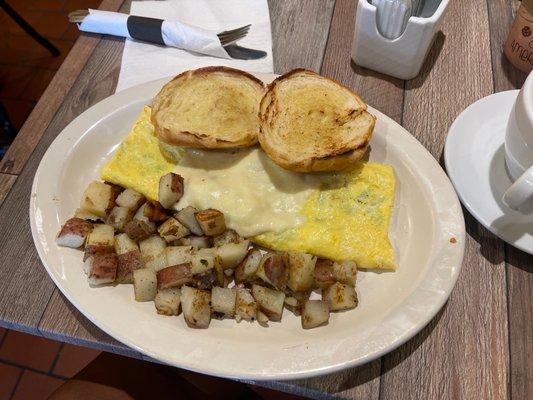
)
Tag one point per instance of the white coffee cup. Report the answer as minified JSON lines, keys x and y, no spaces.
{"x":519,"y":148}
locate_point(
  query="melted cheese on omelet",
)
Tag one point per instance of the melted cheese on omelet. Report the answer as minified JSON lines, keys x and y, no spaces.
{"x":342,"y":215}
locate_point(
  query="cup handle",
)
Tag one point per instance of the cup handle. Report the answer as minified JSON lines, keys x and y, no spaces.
{"x":520,"y":191}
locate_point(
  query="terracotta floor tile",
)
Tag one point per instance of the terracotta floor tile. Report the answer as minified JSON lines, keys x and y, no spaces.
{"x":38,"y":82}
{"x":73,"y":359}
{"x":28,"y":350}
{"x":14,"y":79}
{"x":35,"y":386}
{"x":9,"y":376}
{"x":18,"y":110}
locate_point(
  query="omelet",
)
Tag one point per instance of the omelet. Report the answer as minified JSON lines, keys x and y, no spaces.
{"x":338,"y":215}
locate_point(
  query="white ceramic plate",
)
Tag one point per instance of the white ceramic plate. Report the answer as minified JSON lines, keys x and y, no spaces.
{"x":393,"y":306}
{"x":475,"y":160}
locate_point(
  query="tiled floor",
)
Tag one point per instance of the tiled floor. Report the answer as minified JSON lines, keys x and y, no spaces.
{"x":26,"y":68}
{"x":32,"y":367}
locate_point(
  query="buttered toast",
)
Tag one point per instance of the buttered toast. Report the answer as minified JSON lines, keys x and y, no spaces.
{"x":312,"y":123}
{"x":212,"y":107}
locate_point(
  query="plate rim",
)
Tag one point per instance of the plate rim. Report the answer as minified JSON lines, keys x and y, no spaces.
{"x":455,"y":260}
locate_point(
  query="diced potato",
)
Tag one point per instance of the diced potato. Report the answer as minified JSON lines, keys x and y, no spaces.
{"x":170,"y":189}
{"x":187,"y":218}
{"x":167,"y":301}
{"x":221,"y":279}
{"x":154,"y":212}
{"x":99,"y":198}
{"x":195,"y":307}
{"x":123,"y":244}
{"x":119,"y":217}
{"x":245,"y":306}
{"x":138,"y":230}
{"x":228,"y":236}
{"x":295,"y":301}
{"x":262,"y":319}
{"x":345,"y":272}
{"x":86,"y":215}
{"x":246,"y":270}
{"x":232,"y":254}
{"x":74,"y":233}
{"x":272,"y":270}
{"x":100,"y":240}
{"x":144,"y":284}
{"x":340,"y":297}
{"x":172,"y":229}
{"x":130,"y":199}
{"x":174,"y":276}
{"x":211,"y":221}
{"x":103,"y":269}
{"x":201,"y":262}
{"x":178,"y":254}
{"x":153,"y":252}
{"x":205,"y":280}
{"x":269,"y":301}
{"x":203,"y":271}
{"x":127,"y":263}
{"x":301,"y":268}
{"x":200,"y":242}
{"x":223,"y":302}
{"x":315,"y":313}
{"x":323,"y":273}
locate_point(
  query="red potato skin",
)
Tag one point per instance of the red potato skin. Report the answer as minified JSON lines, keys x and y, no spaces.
{"x":127,"y":263}
{"x":276,"y":271}
{"x":205,"y":280}
{"x":239,"y":270}
{"x":115,"y":191}
{"x":93,"y":250}
{"x":173,"y":276}
{"x":104,"y":266}
{"x":155,"y":212}
{"x":76,"y":226}
{"x":176,"y":185}
{"x":137,"y":230}
{"x":324,"y":273}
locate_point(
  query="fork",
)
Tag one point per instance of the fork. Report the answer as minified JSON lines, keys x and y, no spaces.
{"x":226,"y":37}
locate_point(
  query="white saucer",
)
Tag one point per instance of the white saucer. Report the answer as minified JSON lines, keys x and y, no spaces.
{"x":475,"y":161}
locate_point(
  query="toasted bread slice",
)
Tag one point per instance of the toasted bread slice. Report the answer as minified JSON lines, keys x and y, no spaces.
{"x":312,"y":123}
{"x":210,"y":108}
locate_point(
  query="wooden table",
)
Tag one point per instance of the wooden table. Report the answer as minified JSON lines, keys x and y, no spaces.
{"x":479,"y":346}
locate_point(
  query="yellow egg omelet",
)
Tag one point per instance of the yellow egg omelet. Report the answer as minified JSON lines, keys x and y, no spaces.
{"x":138,"y":163}
{"x":346,"y":214}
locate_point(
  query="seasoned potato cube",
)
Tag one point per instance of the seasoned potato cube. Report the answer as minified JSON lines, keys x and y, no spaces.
{"x":102,"y":269}
{"x":295,"y":301}
{"x":119,"y":217}
{"x":345,"y":272}
{"x":172,"y":229}
{"x":205,"y":280}
{"x":223,"y":302}
{"x":245,"y":306}
{"x":315,"y":313}
{"x":269,"y":301}
{"x":123,"y":244}
{"x":323,"y":273}
{"x":272,"y":270}
{"x":167,"y":301}
{"x":200,"y":242}
{"x":86,"y":215}
{"x":187,"y":218}
{"x":130,"y":199}
{"x":211,"y":221}
{"x":262,"y":318}
{"x":246,"y":270}
{"x":174,"y":276}
{"x":140,"y":227}
{"x":340,"y":297}
{"x":129,"y":258}
{"x":144,"y":284}
{"x":170,"y":189}
{"x":178,"y":254}
{"x":232,"y":254}
{"x":195,"y":307}
{"x":202,"y":262}
{"x":154,"y":211}
{"x":301,"y":267}
{"x":228,"y":236}
{"x":99,"y":198}
{"x":203,"y":270}
{"x":221,"y":279}
{"x":153,"y":252}
{"x":74,"y":233}
{"x":100,"y":240}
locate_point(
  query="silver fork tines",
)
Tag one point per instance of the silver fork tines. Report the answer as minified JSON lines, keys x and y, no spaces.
{"x":231,"y":36}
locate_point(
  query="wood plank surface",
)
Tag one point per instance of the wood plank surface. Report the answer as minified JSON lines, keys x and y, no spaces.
{"x":519,"y":264}
{"x":463,"y":353}
{"x":6,"y":182}
{"x":32,"y":130}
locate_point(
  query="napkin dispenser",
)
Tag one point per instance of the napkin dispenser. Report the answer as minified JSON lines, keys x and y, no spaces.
{"x":403,"y":56}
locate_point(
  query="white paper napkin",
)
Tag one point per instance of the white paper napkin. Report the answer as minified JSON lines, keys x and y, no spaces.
{"x":142,"y":62}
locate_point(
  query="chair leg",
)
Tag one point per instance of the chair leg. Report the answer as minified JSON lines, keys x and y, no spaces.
{"x":29,"y":29}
